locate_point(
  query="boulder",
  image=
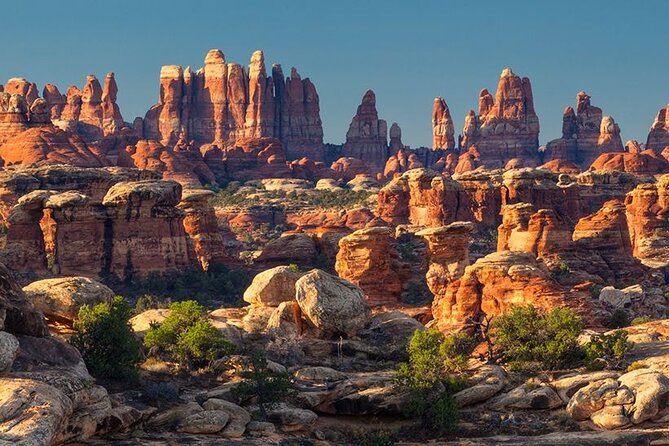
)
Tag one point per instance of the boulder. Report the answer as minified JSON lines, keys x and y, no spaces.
{"x":290,"y":419}
{"x":331,"y":304}
{"x":239,"y":417}
{"x":61,"y":298}
{"x":205,"y":422}
{"x":272,"y":287}
{"x":486,"y":383}
{"x":9,"y":348}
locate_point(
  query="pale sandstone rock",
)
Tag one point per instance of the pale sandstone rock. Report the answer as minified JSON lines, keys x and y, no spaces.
{"x":332,"y":304}
{"x":239,"y":417}
{"x":273,"y":286}
{"x":61,"y":298}
{"x":205,"y":422}
{"x":9,"y":348}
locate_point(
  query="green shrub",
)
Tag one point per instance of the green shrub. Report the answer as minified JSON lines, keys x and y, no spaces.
{"x":188,"y":337}
{"x":429,"y":377}
{"x":416,"y":292}
{"x":640,"y":320}
{"x":530,"y":340}
{"x":636,"y":365}
{"x":607,"y":351}
{"x":106,"y":340}
{"x":619,"y":319}
{"x":148,"y":302}
{"x":259,"y":383}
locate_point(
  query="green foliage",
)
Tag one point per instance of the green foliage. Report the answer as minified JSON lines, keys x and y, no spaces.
{"x":607,"y":351}
{"x":416,"y":292}
{"x":619,"y":319}
{"x":148,"y":302}
{"x":218,"y":284}
{"x":595,"y":290}
{"x":363,"y":437}
{"x":106,"y":340}
{"x":294,"y":267}
{"x":188,"y":337}
{"x":636,"y":365}
{"x":259,"y":383}
{"x":430,"y":378}
{"x":530,"y":340}
{"x":640,"y":320}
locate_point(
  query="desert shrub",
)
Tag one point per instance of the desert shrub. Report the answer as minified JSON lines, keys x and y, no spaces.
{"x":148,"y":302}
{"x":364,"y":437}
{"x":529,"y":339}
{"x":640,"y":320}
{"x":160,"y":393}
{"x":259,"y":383}
{"x":619,"y":319}
{"x":607,"y":351}
{"x":636,"y":365}
{"x":106,"y":341}
{"x":595,"y":290}
{"x":430,"y":377}
{"x":187,"y":337}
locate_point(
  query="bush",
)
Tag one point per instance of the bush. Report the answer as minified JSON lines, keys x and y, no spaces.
{"x":259,"y":383}
{"x":430,"y":378}
{"x":106,"y":340}
{"x":160,"y":393}
{"x":619,"y":319}
{"x":607,"y":351}
{"x":188,"y":337}
{"x":529,"y":340}
{"x":640,"y":320}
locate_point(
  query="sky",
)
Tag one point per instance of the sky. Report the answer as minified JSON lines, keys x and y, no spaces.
{"x":408,"y":52}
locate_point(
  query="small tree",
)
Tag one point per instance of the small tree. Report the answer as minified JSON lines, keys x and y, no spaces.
{"x":607,"y":351}
{"x":106,"y":340}
{"x":188,"y":337}
{"x":430,"y":376}
{"x":258,"y":382}
{"x":529,"y":339}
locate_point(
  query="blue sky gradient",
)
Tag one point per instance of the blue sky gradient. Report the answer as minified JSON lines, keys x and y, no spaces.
{"x":407,"y":52}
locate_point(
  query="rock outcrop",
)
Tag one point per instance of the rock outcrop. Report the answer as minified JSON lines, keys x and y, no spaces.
{"x":201,"y":226}
{"x":447,"y":254}
{"x":367,"y":136}
{"x":223,"y":102}
{"x":443,"y":130}
{"x":495,"y":283}
{"x":648,"y":217}
{"x":506,"y":127}
{"x":369,"y":259}
{"x":658,"y":136}
{"x":586,"y":134}
{"x":646,"y":162}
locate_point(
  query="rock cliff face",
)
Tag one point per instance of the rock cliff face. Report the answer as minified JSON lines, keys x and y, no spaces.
{"x":134,"y":229}
{"x":506,"y":127}
{"x":443,"y":130}
{"x":367,"y":136}
{"x":369,"y":259}
{"x":646,"y":162}
{"x":658,"y":137}
{"x":495,"y":283}
{"x":447,"y":254}
{"x":202,"y":227}
{"x":648,"y":217}
{"x":223,"y":102}
{"x":586,"y":134}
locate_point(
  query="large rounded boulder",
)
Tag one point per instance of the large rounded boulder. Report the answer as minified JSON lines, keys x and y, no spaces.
{"x":61,"y":298}
{"x":332,"y":304}
{"x":272,"y":287}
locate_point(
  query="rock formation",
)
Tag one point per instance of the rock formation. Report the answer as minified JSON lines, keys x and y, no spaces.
{"x":506,"y":127}
{"x":395,"y":138}
{"x":646,"y":162}
{"x":447,"y":254}
{"x":648,"y":217}
{"x":369,"y":259}
{"x":223,"y":102}
{"x":658,"y":137}
{"x":443,"y":130}
{"x":367,"y":136}
{"x":586,"y":134}
{"x":495,"y":283}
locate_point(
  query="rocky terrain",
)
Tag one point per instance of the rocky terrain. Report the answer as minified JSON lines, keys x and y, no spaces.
{"x":222,"y":211}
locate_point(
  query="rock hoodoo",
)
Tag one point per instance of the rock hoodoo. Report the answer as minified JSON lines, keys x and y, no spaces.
{"x":367,"y":136}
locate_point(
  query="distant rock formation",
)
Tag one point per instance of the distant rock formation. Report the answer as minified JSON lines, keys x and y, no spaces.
{"x":367,"y":136}
{"x":586,"y":134}
{"x":443,"y":130}
{"x":223,"y":102}
{"x":658,"y":137}
{"x":506,"y":128}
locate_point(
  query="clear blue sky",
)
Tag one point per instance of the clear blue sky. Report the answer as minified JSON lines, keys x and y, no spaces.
{"x":408,"y":52}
